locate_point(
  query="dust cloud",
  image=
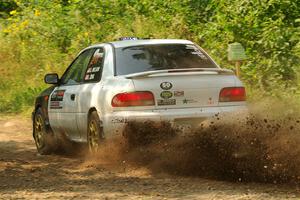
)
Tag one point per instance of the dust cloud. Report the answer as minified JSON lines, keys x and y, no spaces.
{"x":260,"y":145}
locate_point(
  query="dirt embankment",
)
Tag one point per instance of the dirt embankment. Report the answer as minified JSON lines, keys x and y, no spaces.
{"x":253,"y":156}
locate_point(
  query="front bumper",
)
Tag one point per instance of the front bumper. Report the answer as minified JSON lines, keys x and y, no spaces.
{"x":115,"y":122}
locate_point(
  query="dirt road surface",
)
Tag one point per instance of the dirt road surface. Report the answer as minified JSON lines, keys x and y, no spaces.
{"x":26,"y":175}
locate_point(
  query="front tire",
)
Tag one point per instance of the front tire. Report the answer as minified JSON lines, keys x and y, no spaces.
{"x":44,"y":139}
{"x":94,"y":133}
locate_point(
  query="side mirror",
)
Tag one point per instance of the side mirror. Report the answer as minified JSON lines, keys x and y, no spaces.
{"x":51,"y":78}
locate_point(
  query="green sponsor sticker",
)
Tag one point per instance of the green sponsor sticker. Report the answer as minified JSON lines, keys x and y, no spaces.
{"x":166,"y":94}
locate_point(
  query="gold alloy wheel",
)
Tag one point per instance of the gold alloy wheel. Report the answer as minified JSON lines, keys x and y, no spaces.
{"x":93,"y":136}
{"x":39,"y":131}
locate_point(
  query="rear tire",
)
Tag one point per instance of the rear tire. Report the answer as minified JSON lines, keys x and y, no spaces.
{"x":44,"y":139}
{"x":94,"y":132}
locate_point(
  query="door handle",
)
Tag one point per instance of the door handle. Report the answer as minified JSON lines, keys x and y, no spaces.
{"x":72,"y":97}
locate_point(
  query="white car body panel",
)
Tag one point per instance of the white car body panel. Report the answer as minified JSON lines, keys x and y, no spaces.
{"x":190,"y":116}
{"x":201,"y":90}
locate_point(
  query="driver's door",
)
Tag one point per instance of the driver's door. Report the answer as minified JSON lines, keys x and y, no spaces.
{"x":63,"y":102}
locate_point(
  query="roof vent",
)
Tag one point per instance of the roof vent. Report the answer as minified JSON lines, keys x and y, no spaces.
{"x":128,"y":38}
{"x":133,"y":38}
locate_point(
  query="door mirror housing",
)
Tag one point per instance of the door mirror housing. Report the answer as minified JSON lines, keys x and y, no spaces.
{"x":51,"y":78}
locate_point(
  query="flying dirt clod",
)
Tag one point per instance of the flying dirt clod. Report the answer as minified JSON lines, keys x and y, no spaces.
{"x":261,"y":145}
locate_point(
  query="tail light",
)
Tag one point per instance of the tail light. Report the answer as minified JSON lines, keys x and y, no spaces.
{"x":232,"y":94}
{"x":133,"y":99}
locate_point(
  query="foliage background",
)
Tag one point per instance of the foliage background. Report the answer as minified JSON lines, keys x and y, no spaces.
{"x":41,"y":36}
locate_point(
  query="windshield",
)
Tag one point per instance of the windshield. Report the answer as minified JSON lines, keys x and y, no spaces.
{"x":159,"y":57}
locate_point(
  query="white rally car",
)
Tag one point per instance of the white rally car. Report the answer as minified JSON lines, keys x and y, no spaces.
{"x":110,"y":84}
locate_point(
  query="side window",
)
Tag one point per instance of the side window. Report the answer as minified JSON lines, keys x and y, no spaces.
{"x":74,"y":74}
{"x":94,"y":69}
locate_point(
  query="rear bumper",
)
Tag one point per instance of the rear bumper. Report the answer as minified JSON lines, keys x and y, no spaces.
{"x":115,"y":122}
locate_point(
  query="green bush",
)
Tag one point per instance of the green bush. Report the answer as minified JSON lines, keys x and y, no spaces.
{"x":37,"y":37}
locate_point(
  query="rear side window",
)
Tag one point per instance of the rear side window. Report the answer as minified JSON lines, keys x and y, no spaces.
{"x":94,"y":69}
{"x":159,"y":57}
{"x":74,"y":74}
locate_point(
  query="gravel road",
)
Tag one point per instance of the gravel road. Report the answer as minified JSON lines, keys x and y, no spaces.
{"x":26,"y":175}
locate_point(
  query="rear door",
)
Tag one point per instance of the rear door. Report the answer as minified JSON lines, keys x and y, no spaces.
{"x":64,"y":99}
{"x":89,"y":89}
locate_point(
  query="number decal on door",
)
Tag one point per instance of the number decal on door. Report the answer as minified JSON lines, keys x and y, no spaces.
{"x":56,"y":99}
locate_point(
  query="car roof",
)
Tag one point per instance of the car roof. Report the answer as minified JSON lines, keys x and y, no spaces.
{"x":127,"y":43}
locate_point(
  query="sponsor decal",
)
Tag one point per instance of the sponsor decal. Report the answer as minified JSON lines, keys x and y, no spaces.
{"x":196,"y":51}
{"x":186,"y":101}
{"x":166,"y":85}
{"x":96,"y":69}
{"x":55,"y":105}
{"x":164,"y":102}
{"x":92,"y":76}
{"x":189,"y":46}
{"x":56,"y":99}
{"x":58,"y":95}
{"x":89,"y":70}
{"x":178,"y":93}
{"x":91,"y":73}
{"x":166,"y":94}
{"x":89,"y":77}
